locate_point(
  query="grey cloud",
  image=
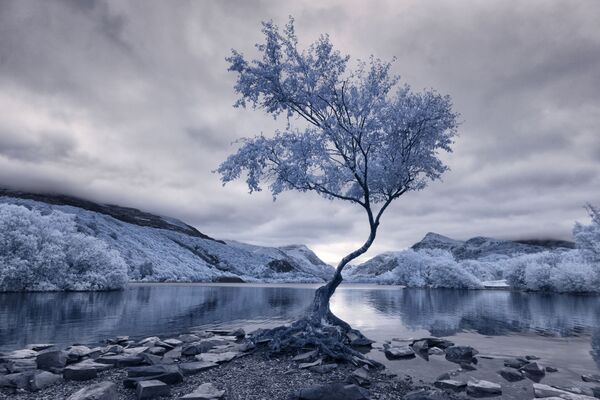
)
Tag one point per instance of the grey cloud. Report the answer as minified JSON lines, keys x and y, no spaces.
{"x":131,"y":103}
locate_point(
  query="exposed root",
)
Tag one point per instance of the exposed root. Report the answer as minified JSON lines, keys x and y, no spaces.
{"x":330,"y":335}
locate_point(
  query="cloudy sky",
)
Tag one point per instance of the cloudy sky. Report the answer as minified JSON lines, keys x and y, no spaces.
{"x":130,"y":102}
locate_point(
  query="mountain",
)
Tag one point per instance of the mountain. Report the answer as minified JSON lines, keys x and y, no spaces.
{"x":158,"y":248}
{"x":480,"y":246}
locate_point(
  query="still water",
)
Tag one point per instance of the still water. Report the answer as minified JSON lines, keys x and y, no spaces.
{"x":563,"y":330}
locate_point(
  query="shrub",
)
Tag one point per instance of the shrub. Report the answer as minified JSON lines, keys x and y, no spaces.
{"x":45,"y":252}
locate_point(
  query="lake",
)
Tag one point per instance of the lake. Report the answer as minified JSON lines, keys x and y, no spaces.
{"x":564,"y":330}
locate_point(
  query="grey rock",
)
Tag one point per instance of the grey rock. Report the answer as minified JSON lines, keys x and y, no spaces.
{"x":533,"y":368}
{"x":426,"y":394}
{"x":151,"y":370}
{"x":465,"y":366}
{"x":206,"y":391}
{"x":311,"y":364}
{"x":52,"y":360}
{"x":169,"y":378}
{"x":191,"y":368}
{"x":77,"y":372}
{"x":323,"y":369}
{"x":202,"y":346}
{"x":42,"y":380}
{"x":157,"y":350}
{"x":435,"y":342}
{"x":99,"y":391}
{"x":483,"y":388}
{"x":173,"y":342}
{"x":360,"y":377}
{"x":435,"y":351}
{"x":335,"y":391}
{"x":20,"y":354}
{"x":531,"y":358}
{"x":591,"y":378}
{"x":217,"y":357}
{"x":450,"y":384}
{"x":551,"y":369}
{"x":460,"y":354}
{"x":39,"y":346}
{"x":395,"y":353}
{"x":152,"y":359}
{"x":151,"y":389}
{"x":420,"y":346}
{"x":21,"y":365}
{"x":121,"y":360}
{"x":308,"y":356}
{"x":515,"y":362}
{"x":545,"y":391}
{"x":511,"y":374}
{"x":115,"y":349}
{"x":189,"y":338}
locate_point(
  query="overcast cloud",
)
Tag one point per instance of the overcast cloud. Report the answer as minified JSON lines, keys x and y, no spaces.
{"x":130,"y":102}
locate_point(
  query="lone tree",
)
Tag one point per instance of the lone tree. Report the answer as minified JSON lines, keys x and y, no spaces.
{"x":361,"y":137}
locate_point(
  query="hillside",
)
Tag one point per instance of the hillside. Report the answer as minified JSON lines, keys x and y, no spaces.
{"x":158,"y":248}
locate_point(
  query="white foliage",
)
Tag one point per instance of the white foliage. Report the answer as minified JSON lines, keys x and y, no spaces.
{"x":45,"y":252}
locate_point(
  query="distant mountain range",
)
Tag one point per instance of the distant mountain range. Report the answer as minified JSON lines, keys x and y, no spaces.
{"x":158,"y":248}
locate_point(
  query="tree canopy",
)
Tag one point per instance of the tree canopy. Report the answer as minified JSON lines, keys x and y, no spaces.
{"x":363,"y":137}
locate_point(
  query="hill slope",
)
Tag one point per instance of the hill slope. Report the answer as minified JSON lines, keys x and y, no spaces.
{"x":158,"y":248}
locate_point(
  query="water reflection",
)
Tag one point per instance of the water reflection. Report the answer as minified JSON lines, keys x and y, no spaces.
{"x":65,"y":318}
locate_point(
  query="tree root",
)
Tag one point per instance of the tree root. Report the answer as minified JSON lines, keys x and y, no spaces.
{"x":331,"y":336}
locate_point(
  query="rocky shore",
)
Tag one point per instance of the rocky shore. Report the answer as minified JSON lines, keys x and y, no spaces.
{"x":229,"y":365}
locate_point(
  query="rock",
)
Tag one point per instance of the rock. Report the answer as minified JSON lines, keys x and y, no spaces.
{"x":483,"y":388}
{"x":435,"y":342}
{"x":79,"y":372}
{"x":151,"y":370}
{"x":20,"y":354}
{"x":118,"y":340}
{"x":511,"y":374}
{"x":39,"y":347}
{"x":426,"y":394}
{"x":191,"y":368}
{"x":169,"y":378}
{"x":460,"y":354}
{"x":206,"y":391}
{"x":19,"y":380}
{"x":74,"y":353}
{"x":533,"y":368}
{"x":151,"y":389}
{"x":91,"y":363}
{"x":21,"y":365}
{"x":465,"y":366}
{"x":551,"y":369}
{"x":217,"y":357}
{"x":311,"y":364}
{"x":443,"y":377}
{"x":359,"y":376}
{"x":308,"y":356}
{"x":334,"y":391}
{"x":52,"y":360}
{"x":591,"y":378}
{"x":395,"y":353}
{"x":323,"y":369}
{"x":115,"y":349}
{"x":451,"y":384}
{"x":151,"y":359}
{"x":99,"y":391}
{"x":42,"y":380}
{"x":121,"y":360}
{"x":420,"y":346}
{"x":357,"y":339}
{"x":435,"y":351}
{"x":515,"y":363}
{"x":531,"y":358}
{"x":545,"y":391}
{"x":149,"y":341}
{"x":135,"y":350}
{"x":157,"y":350}
{"x":189,"y":338}
{"x":173,"y":342}
{"x":596,"y":391}
{"x":202,"y":346}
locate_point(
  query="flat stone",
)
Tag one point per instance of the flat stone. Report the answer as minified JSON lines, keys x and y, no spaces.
{"x":531,"y":358}
{"x":217,"y":357}
{"x":206,"y":391}
{"x":358,"y":340}
{"x":189,"y":338}
{"x":151,"y":370}
{"x":119,"y":360}
{"x":191,"y":368}
{"x":21,"y":365}
{"x":308,"y":356}
{"x":151,"y":359}
{"x":396,"y":353}
{"x":74,"y":353}
{"x":20,"y":354}
{"x":135,"y":350}
{"x":451,"y":384}
{"x":544,"y":391}
{"x":92,"y":364}
{"x":157,"y":350}
{"x":52,"y":360}
{"x":359,"y":376}
{"x":202,"y":346}
{"x":515,"y":362}
{"x":426,"y":394}
{"x":39,"y":346}
{"x":151,"y":389}
{"x":149,"y":341}
{"x":483,"y":388}
{"x":173,"y":342}
{"x":168,"y":377}
{"x":311,"y":364}
{"x":99,"y":391}
{"x":335,"y":391}
{"x":115,"y":348}
{"x":511,"y":374}
{"x":435,"y":351}
{"x":78,"y":372}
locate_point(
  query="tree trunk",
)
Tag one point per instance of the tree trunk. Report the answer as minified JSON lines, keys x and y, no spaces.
{"x":319,"y":312}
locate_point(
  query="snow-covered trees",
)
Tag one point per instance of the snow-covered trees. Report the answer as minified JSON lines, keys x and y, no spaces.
{"x":587,"y":237}
{"x":363,"y":137}
{"x":45,"y":252}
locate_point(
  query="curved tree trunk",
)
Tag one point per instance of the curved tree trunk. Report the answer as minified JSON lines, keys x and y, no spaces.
{"x":319,"y":311}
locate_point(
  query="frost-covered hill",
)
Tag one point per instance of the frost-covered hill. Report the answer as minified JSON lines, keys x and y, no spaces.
{"x":158,"y":248}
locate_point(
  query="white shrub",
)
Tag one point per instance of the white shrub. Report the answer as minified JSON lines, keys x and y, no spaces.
{"x":45,"y":252}
{"x":587,"y":237}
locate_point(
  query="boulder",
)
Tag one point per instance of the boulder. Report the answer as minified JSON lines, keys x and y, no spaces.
{"x":151,"y":389}
{"x":77,"y":352}
{"x":511,"y":374}
{"x":149,"y":341}
{"x":420,"y":346}
{"x":334,"y":391}
{"x":191,"y":368}
{"x":450,"y":384}
{"x":483,"y":388}
{"x":460,"y":354}
{"x":78,"y":372}
{"x":114,"y":349}
{"x":206,"y":391}
{"x":135,"y":350}
{"x":533,"y":368}
{"x":52,"y":360}
{"x":99,"y":391}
